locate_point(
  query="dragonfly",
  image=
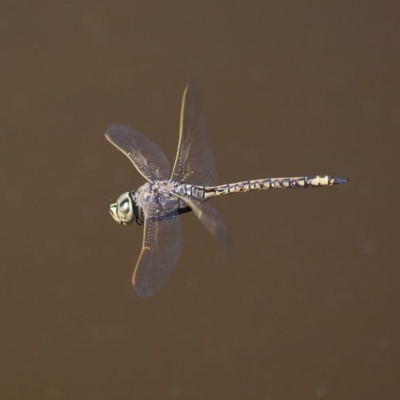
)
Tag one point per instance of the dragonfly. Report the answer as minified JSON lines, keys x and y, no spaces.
{"x":158,"y":203}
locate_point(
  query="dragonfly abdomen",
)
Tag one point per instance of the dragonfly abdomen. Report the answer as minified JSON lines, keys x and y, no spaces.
{"x":192,"y":190}
{"x":300,"y":182}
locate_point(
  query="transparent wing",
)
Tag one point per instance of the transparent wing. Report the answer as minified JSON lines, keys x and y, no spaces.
{"x":210,"y":218}
{"x":162,"y":244}
{"x":147,"y":157}
{"x":194,"y":161}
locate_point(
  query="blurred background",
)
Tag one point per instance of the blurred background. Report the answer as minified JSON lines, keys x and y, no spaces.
{"x":307,"y":307}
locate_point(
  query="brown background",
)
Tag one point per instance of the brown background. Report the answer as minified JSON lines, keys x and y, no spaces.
{"x":308,"y":307}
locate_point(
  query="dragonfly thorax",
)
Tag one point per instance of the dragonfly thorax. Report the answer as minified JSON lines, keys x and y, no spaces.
{"x":154,"y":199}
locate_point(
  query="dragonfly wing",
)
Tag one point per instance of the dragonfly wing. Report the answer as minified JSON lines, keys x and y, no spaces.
{"x":162,"y":244}
{"x":210,"y":218}
{"x":194,"y":161}
{"x":147,"y":157}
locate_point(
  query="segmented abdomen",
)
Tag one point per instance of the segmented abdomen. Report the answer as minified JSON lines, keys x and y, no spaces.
{"x":302,"y":182}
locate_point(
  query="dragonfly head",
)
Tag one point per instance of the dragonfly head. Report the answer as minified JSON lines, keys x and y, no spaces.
{"x":123,"y":210}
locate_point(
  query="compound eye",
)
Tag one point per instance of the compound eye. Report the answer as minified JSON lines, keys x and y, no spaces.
{"x":124,"y":207}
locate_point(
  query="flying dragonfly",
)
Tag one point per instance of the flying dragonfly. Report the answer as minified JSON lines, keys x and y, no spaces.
{"x":158,"y":203}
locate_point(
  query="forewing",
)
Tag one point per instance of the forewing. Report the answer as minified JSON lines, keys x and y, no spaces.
{"x":146,"y":156}
{"x":210,"y":218}
{"x":162,"y":244}
{"x":194,"y":161}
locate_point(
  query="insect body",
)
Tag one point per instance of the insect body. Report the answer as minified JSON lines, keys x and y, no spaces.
{"x":158,"y":203}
